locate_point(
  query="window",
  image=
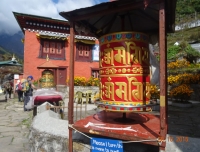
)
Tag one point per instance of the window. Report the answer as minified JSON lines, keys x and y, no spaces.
{"x":83,"y":52}
{"x":95,"y":73}
{"x":54,"y":49}
{"x":58,"y":49}
{"x":46,"y":47}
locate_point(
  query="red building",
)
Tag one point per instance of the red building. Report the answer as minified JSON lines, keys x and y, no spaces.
{"x":44,"y":37}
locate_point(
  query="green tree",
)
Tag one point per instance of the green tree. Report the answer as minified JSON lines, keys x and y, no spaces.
{"x":173,"y":51}
{"x":184,"y":7}
{"x":196,"y":5}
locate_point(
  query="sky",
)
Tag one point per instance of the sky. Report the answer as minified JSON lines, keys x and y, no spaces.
{"x":47,"y":8}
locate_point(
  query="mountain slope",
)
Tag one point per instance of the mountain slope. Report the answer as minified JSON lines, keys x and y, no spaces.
{"x":3,"y":51}
{"x":12,"y":44}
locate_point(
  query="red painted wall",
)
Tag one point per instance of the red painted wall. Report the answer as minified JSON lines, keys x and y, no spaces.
{"x":31,"y":60}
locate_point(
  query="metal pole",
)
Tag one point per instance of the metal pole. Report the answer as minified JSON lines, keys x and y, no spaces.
{"x":71,"y":86}
{"x":163,"y":74}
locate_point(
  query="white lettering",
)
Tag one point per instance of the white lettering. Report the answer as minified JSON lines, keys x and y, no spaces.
{"x":119,"y":145}
{"x":111,"y":145}
{"x":99,"y":149}
{"x":99,"y":143}
{"x":106,"y":150}
{"x":114,"y":150}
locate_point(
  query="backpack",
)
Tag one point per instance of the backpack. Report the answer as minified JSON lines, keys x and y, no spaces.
{"x":19,"y":86}
{"x":8,"y":86}
{"x":25,"y":86}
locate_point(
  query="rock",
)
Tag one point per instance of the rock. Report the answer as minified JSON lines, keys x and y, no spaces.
{"x":48,"y":133}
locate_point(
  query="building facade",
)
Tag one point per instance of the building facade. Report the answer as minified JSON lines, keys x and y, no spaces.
{"x":46,"y":37}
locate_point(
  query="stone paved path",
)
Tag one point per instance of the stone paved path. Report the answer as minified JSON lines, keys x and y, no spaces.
{"x":184,"y":121}
{"x":14,"y":126}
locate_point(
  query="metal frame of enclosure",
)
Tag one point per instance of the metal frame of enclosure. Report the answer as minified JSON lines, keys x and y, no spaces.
{"x":164,"y":23}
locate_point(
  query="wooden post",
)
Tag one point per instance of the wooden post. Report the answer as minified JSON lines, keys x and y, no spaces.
{"x":71,"y":86}
{"x":163,"y":75}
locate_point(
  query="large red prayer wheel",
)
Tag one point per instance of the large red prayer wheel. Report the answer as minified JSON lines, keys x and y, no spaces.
{"x":124,"y":72}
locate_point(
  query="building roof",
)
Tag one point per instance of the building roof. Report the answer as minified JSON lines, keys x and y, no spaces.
{"x":28,"y":21}
{"x":12,"y":62}
{"x":47,"y":25}
{"x":123,"y":15}
{"x":9,"y":63}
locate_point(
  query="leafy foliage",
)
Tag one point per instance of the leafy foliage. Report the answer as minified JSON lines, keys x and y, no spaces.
{"x":183,"y":50}
{"x":172,"y":52}
{"x":184,"y":7}
{"x":189,"y":53}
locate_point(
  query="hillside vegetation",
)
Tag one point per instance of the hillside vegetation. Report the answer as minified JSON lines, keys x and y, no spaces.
{"x":186,"y":11}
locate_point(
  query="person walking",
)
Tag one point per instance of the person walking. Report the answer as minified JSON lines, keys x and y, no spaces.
{"x":18,"y":90}
{"x":8,"y":90}
{"x":29,"y":91}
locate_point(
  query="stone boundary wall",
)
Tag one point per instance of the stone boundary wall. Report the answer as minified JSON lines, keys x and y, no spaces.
{"x":65,"y":89}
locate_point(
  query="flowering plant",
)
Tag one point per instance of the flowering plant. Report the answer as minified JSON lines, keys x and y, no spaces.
{"x":79,"y":81}
{"x":181,"y":93}
{"x":154,"y":91}
{"x":82,"y":81}
{"x":178,"y":64}
{"x":93,"y":81}
{"x":185,"y":78}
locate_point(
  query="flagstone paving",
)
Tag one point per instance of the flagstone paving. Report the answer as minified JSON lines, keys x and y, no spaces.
{"x":14,"y":126}
{"x":184,"y":121}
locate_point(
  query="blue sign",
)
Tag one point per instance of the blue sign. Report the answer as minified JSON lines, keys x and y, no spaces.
{"x":106,"y":145}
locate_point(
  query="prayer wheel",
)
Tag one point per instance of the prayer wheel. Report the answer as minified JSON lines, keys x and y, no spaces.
{"x":124,"y":72}
{"x":47,"y":80}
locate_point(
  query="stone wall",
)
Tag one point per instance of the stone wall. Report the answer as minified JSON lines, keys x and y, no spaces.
{"x":65,"y":89}
{"x":49,"y":133}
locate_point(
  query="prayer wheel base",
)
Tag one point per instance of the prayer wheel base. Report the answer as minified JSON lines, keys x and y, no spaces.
{"x":124,"y":119}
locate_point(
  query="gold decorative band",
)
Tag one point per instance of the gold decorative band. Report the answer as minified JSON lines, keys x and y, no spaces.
{"x":124,"y":75}
{"x":123,"y":36}
{"x":162,"y":101}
